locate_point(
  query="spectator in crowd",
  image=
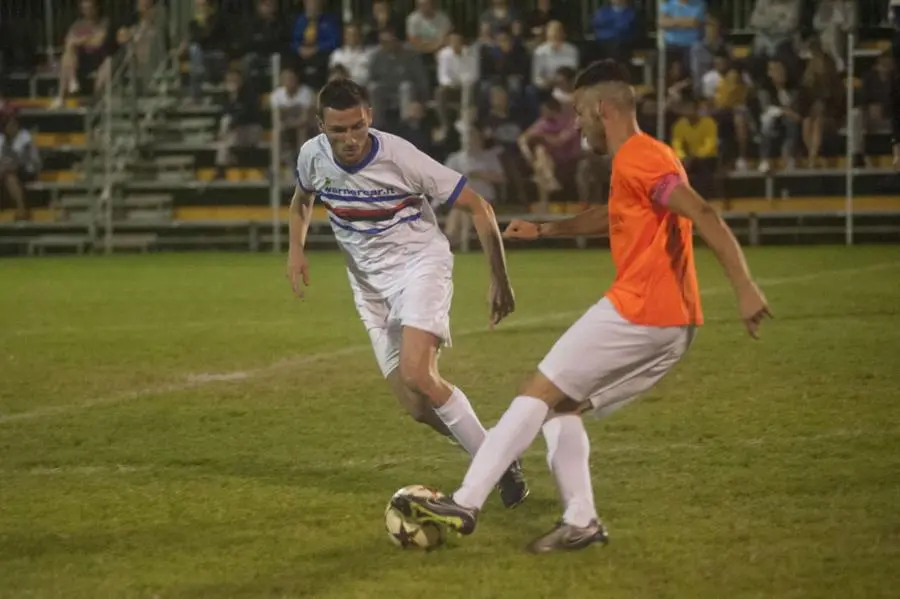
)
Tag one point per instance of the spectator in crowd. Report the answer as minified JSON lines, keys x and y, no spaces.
{"x":506,"y":63}
{"x":20,"y":162}
{"x":266,"y":34}
{"x":876,"y":93}
{"x":500,"y":16}
{"x":383,"y":17}
{"x":779,"y":116}
{"x":427,"y":29}
{"x":552,"y":146}
{"x":353,"y":55}
{"x":316,"y":35}
{"x":207,"y":46}
{"x":730,"y":108}
{"x":614,"y":26}
{"x":241,"y":123}
{"x":415,"y":127}
{"x":550,"y":56}
{"x":296,"y":106}
{"x":682,"y":25}
{"x":502,"y":130}
{"x":821,"y":100}
{"x":679,"y":84}
{"x":88,"y":46}
{"x":833,"y":20}
{"x":704,"y":52}
{"x":535,"y":30}
{"x":147,"y":38}
{"x":564,"y":87}
{"x":695,"y":139}
{"x":457,"y":74}
{"x":338,"y":71}
{"x":397,"y":78}
{"x":775,"y":24}
{"x":484,"y":172}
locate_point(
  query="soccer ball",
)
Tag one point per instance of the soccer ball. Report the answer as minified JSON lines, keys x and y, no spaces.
{"x":407,"y":534}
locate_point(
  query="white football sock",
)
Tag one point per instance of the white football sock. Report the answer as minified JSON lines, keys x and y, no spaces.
{"x":568,"y":455}
{"x":460,"y":418}
{"x":512,"y":435}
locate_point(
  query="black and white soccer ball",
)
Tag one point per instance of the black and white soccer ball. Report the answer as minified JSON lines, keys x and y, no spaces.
{"x":406,"y":533}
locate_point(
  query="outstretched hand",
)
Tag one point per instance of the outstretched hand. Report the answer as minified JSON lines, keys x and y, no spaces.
{"x":523,"y":230}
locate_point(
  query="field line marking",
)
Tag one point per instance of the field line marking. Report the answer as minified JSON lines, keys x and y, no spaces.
{"x":199,"y":380}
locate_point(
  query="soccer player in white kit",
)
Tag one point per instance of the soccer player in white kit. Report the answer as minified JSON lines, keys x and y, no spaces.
{"x":378,"y":190}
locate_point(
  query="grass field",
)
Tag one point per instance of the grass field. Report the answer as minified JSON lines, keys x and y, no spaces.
{"x":177,"y":426}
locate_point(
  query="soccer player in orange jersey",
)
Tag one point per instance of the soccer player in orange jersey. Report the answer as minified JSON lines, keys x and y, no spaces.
{"x":625,"y":343}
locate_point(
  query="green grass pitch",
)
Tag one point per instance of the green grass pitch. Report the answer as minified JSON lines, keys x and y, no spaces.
{"x":178,"y":426}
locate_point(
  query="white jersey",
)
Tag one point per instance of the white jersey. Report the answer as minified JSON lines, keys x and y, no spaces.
{"x":380,"y":209}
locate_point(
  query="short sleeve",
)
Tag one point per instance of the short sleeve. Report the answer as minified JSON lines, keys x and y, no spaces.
{"x":442,"y":185}
{"x":304,"y":170}
{"x":652,"y":171}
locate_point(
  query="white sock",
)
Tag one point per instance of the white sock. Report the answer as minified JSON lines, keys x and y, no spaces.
{"x":460,"y":418}
{"x":512,"y":435}
{"x":568,"y":455}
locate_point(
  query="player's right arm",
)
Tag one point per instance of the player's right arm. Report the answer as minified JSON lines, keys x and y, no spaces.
{"x":298,"y":223}
{"x":593,"y":221}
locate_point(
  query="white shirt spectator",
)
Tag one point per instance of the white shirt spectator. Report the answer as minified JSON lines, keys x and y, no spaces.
{"x":468,"y":162}
{"x":456,"y":70}
{"x":355,"y":60}
{"x":547,"y":60}
{"x":292,"y":106}
{"x":429,"y":30}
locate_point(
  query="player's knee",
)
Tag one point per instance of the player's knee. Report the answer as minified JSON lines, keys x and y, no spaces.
{"x":415,"y":375}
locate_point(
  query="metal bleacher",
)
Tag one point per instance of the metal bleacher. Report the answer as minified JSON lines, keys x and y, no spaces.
{"x":135,"y":172}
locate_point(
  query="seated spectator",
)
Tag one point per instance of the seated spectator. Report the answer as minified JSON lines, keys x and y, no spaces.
{"x":506,"y":63}
{"x":457,"y":74}
{"x":876,"y":94}
{"x":353,"y":56}
{"x":821,"y":100}
{"x":207,"y":47}
{"x":20,"y":162}
{"x":775,"y":24}
{"x":483,"y":169}
{"x":550,"y":56}
{"x":266,"y":34}
{"x":88,"y":47}
{"x":383,"y":17}
{"x":427,"y":29}
{"x":564,"y":87}
{"x":552,"y":146}
{"x":316,"y":35}
{"x":614,"y":26}
{"x":682,"y":25}
{"x":704,"y":52}
{"x":500,"y":16}
{"x":833,"y":20}
{"x":396,"y":78}
{"x":730,"y":109}
{"x":296,"y":106}
{"x":779,"y":116}
{"x":695,"y":139}
{"x":535,"y":30}
{"x":415,"y":127}
{"x":502,"y":130}
{"x":241,"y":124}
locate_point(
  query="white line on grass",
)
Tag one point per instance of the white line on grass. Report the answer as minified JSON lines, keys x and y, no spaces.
{"x":292,"y":362}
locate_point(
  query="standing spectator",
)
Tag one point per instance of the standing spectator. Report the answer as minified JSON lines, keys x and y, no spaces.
{"x":483,"y":169}
{"x":241,"y":124}
{"x":353,"y":56}
{"x":500,"y":16}
{"x":457,"y":74}
{"x":704,"y":52}
{"x":383,"y":17}
{"x":147,"y":38}
{"x":682,"y":25}
{"x":614,"y":26}
{"x":695,"y":139}
{"x":295,"y":104}
{"x":552,"y":146}
{"x":775,"y":24}
{"x":833,"y":20}
{"x":207,"y":46}
{"x":265,"y":34}
{"x":506,"y":63}
{"x":427,"y":29}
{"x":536,"y":24}
{"x":397,"y":78}
{"x":316,"y":35}
{"x":20,"y":162}
{"x":89,"y":44}
{"x":779,"y":116}
{"x":552,"y":55}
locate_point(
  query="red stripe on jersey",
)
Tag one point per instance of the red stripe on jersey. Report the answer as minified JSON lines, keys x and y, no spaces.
{"x":372,"y":213}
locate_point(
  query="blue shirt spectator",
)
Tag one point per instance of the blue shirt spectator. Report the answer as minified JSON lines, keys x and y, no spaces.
{"x":614,"y":22}
{"x":323,"y":31}
{"x":682,"y":21}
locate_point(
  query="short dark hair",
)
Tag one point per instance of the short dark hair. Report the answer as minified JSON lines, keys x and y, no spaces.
{"x":342,"y":94}
{"x":603,"y":71}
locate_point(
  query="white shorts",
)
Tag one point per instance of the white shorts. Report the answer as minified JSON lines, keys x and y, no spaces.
{"x":603,"y":361}
{"x":422,"y":303}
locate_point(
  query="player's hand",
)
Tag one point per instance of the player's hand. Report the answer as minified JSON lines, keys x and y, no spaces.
{"x":502,"y":300}
{"x":297,"y":270}
{"x":522,"y":229}
{"x":753,"y":307}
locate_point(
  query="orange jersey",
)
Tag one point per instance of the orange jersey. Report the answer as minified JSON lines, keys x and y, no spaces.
{"x":652,"y":248}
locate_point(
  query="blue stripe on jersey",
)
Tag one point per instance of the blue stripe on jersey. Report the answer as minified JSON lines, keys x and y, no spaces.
{"x":356,"y":198}
{"x":375,"y":230}
{"x":456,"y":191}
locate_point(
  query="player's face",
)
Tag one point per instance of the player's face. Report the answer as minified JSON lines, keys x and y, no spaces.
{"x":347,"y":131}
{"x":590,"y":122}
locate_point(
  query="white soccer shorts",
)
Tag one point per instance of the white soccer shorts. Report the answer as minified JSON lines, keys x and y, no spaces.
{"x":422,"y":303}
{"x":603,"y":361}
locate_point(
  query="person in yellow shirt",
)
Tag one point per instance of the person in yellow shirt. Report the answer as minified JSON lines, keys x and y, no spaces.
{"x":695,"y":138}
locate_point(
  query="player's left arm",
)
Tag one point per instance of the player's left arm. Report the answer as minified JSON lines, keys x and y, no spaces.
{"x":679,"y":197}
